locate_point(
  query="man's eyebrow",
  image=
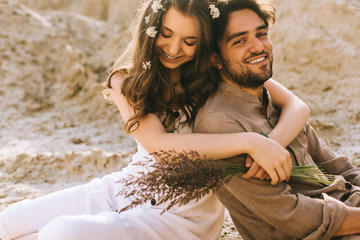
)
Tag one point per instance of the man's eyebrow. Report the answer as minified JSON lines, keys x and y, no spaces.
{"x":235,"y":35}
{"x":168,"y":29}
{"x":238,"y":34}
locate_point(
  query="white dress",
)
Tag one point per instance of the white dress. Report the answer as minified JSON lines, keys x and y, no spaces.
{"x":89,"y":212}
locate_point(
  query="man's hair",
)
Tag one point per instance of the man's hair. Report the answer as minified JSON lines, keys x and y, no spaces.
{"x":263,"y":8}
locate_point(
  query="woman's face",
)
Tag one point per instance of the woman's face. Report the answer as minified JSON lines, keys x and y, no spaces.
{"x":178,"y":39}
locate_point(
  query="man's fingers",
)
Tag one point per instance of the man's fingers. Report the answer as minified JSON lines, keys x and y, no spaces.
{"x":248,"y":161}
{"x":252,"y":171}
{"x":260,"y":174}
{"x":264,"y":175}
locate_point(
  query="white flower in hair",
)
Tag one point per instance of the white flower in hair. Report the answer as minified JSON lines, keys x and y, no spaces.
{"x":151,"y":32}
{"x":147,"y":19}
{"x":147,"y":65}
{"x":156,"y":6}
{"x":214,"y":11}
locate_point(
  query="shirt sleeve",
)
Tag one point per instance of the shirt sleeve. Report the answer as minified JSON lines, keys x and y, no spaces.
{"x":285,"y":213}
{"x":326,"y":158}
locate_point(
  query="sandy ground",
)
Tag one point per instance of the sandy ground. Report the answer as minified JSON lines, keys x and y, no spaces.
{"x":56,"y":129}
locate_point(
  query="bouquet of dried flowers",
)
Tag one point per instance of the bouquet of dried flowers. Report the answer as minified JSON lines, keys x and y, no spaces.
{"x":180,"y":177}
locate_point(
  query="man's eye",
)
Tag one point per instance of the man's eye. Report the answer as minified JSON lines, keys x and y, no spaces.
{"x":262,"y":34}
{"x":238,"y":41}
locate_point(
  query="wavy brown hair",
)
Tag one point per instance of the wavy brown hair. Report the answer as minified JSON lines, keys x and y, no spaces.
{"x":150,"y":90}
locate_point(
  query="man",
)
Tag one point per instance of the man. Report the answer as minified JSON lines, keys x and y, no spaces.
{"x":296,"y":209}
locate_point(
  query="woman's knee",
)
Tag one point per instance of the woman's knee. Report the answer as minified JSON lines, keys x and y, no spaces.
{"x":60,"y":228}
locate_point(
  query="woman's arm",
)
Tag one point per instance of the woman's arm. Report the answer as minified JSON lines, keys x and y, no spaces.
{"x":293,"y":117}
{"x":273,"y":158}
{"x":294,"y":113}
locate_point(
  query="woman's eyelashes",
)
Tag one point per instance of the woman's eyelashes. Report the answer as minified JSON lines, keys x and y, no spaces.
{"x":186,"y":42}
{"x":164,"y":35}
{"x":190,"y":44}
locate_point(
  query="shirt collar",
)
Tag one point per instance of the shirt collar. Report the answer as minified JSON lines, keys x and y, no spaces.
{"x":238,"y":92}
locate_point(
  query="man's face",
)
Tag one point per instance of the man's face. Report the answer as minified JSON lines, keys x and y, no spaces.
{"x":246,"y":50}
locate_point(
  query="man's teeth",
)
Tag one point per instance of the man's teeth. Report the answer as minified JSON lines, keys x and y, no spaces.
{"x":257,"y":60}
{"x":170,"y":56}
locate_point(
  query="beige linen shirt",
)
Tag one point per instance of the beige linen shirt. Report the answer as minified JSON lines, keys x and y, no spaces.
{"x":289,"y":210}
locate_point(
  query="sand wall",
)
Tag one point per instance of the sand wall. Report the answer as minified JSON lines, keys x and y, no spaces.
{"x":56,"y":129}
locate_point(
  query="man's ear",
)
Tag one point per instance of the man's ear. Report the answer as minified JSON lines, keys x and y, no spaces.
{"x":215,"y":61}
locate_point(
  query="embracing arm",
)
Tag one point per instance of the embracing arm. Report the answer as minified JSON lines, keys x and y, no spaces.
{"x":293,"y":117}
{"x":153,"y":137}
{"x":294,"y":113}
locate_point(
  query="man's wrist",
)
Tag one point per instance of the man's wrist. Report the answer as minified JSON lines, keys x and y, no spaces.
{"x":351,"y":223}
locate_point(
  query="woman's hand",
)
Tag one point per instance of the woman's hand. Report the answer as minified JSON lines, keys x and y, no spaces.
{"x":272,"y":157}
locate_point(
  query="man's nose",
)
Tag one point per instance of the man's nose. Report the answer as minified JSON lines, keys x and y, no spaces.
{"x":174,"y":47}
{"x":256,"y":46}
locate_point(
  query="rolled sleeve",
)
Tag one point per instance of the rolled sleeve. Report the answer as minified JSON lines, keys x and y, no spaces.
{"x":334,"y":215}
{"x":284,"y":214}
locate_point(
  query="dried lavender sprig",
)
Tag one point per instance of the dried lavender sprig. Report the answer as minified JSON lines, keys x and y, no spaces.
{"x":180,"y":177}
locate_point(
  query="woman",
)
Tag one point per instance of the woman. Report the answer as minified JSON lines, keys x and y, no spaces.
{"x":159,"y":94}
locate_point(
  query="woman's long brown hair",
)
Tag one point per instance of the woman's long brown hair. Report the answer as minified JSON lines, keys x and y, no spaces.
{"x":150,"y":90}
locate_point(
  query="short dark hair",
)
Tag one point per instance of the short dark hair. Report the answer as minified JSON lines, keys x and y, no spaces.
{"x":263,"y":8}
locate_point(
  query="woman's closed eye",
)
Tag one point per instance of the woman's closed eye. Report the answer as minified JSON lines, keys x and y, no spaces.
{"x":190,"y":43}
{"x":164,"y":35}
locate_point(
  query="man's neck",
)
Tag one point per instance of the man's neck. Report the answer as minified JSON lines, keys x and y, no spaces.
{"x":258,"y":92}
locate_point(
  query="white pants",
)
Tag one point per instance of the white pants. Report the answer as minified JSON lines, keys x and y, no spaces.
{"x":88,"y":212}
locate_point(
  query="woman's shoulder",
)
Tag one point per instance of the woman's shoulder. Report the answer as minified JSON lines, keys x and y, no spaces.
{"x":117,"y":77}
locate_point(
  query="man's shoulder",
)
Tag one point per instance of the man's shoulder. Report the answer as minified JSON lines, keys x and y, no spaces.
{"x":214,"y":105}
{"x":216,"y":115}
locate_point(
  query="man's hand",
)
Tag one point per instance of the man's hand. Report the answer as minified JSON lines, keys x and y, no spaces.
{"x":255,"y":171}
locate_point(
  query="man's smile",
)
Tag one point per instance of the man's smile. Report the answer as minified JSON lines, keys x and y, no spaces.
{"x":256,"y":59}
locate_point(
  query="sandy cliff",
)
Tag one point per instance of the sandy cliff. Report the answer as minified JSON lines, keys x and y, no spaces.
{"x":56,"y":129}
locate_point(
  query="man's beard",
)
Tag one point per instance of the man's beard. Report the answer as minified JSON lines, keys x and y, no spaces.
{"x":243,"y":76}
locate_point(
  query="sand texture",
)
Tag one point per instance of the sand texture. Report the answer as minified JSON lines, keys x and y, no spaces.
{"x":57,"y":130}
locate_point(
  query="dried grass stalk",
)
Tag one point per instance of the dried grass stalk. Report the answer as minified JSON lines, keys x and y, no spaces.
{"x":180,"y":177}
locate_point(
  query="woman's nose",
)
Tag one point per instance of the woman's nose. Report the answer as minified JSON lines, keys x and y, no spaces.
{"x":174,"y":47}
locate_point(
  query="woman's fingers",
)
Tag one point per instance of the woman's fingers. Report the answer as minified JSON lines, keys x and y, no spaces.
{"x":289,"y":167}
{"x":273,"y":158}
{"x":274,"y":179}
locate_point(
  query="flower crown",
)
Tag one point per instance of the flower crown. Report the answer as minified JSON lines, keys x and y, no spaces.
{"x":214,"y":11}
